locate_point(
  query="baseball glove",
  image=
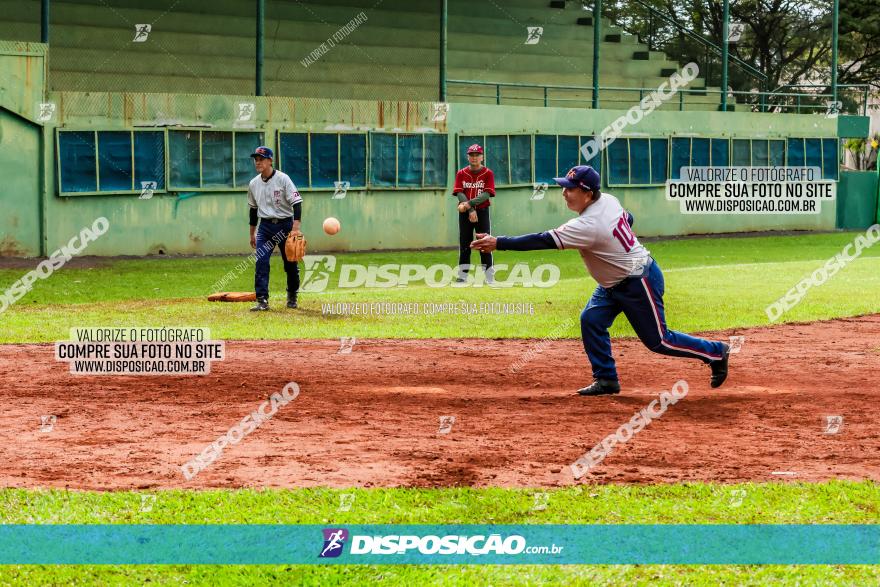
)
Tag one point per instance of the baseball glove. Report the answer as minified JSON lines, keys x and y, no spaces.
{"x":233,"y":296}
{"x":295,"y":247}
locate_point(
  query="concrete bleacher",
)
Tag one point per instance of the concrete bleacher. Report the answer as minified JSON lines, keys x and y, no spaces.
{"x":202,"y":47}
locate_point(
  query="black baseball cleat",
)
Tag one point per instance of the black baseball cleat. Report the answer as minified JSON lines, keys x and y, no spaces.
{"x":719,"y":367}
{"x":291,"y":303}
{"x":601,"y":387}
{"x":261,"y":305}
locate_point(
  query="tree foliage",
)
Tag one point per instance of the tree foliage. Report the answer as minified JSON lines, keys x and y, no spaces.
{"x":789,"y":41}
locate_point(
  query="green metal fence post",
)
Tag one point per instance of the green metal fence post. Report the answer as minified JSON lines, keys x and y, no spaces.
{"x":261,"y":13}
{"x":444,"y":24}
{"x":597,"y":34}
{"x":44,"y":21}
{"x":724,"y":54}
{"x":708,"y":66}
{"x":834,"y":19}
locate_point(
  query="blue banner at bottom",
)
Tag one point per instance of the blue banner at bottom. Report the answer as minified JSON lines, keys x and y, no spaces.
{"x":120,"y":544}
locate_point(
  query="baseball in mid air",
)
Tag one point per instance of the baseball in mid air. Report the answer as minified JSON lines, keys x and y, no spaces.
{"x":331,"y":225}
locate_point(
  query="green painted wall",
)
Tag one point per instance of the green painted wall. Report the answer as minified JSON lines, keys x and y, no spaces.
{"x":853,"y":127}
{"x":22,"y":77}
{"x":655,"y":215}
{"x":211,"y":223}
{"x":857,"y":205}
{"x":217,"y":223}
{"x":20,"y":186}
{"x":22,"y":83}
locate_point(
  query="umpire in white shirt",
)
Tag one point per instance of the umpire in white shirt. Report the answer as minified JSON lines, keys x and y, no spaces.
{"x":275,"y":201}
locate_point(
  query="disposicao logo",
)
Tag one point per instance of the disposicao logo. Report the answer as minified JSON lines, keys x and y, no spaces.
{"x":334,"y":541}
{"x":429,"y":545}
{"x":318,"y":270}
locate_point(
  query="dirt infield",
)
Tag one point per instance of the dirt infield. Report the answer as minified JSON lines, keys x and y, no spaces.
{"x":371,"y":418}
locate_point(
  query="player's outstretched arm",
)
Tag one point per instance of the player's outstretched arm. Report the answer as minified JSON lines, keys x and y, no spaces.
{"x":486,"y":243}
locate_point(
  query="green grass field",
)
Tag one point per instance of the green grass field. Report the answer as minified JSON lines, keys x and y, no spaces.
{"x":825,"y":503}
{"x":710,"y":284}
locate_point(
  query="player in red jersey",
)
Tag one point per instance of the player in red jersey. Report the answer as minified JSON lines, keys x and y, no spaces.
{"x":474,"y":185}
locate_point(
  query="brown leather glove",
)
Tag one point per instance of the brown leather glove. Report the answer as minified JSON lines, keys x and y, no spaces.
{"x":295,"y":247}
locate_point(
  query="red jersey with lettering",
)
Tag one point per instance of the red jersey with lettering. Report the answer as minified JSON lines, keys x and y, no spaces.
{"x":473,"y":183}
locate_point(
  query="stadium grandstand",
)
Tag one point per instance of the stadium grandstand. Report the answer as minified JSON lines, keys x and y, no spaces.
{"x":146,"y":113}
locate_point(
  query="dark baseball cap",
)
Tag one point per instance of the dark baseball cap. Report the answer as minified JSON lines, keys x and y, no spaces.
{"x":263,"y":151}
{"x":475,"y":148}
{"x":582,"y":176}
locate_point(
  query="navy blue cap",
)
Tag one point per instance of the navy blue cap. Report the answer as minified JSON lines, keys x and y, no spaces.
{"x":263,"y":152}
{"x":582,"y":176}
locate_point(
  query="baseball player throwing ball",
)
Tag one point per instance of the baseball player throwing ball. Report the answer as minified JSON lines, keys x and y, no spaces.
{"x":275,"y":201}
{"x":630,"y":280}
{"x":474,"y":185}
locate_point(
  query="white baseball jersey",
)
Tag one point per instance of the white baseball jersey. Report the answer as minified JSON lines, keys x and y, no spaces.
{"x":605,"y":240}
{"x":275,"y":197}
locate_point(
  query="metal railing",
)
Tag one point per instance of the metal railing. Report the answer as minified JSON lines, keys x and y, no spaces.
{"x":853,"y":97}
{"x":776,"y":101}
